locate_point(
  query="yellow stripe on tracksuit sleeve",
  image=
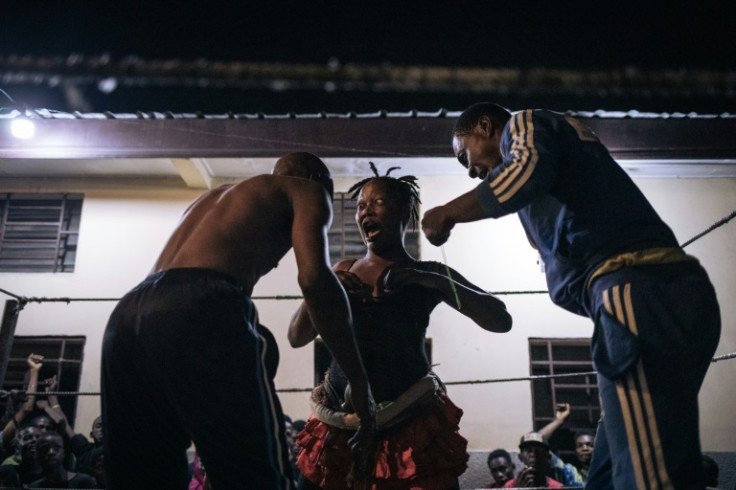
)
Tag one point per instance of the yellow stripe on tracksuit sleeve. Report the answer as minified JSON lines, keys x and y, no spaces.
{"x":524,"y":158}
{"x":636,"y":404}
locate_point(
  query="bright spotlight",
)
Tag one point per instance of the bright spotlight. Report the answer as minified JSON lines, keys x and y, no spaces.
{"x":22,"y":128}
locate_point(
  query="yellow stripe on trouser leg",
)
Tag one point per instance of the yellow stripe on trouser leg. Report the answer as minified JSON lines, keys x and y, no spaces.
{"x":634,"y":396}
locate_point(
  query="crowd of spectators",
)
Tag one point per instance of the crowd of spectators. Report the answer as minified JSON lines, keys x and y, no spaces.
{"x":39,"y":447}
{"x":542,"y":467}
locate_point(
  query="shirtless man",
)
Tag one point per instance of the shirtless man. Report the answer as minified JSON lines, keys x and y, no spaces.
{"x":182,"y":360}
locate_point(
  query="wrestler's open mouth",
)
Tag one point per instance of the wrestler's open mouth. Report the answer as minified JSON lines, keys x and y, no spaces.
{"x":370,"y":229}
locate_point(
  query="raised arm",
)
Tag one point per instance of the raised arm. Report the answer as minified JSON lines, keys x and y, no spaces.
{"x":562,"y":411}
{"x":10,"y":429}
{"x":53,"y":409}
{"x":34,"y":364}
{"x":480,"y":306}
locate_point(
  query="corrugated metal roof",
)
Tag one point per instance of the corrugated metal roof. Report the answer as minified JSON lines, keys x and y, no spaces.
{"x":382,"y":114}
{"x":628,"y":135}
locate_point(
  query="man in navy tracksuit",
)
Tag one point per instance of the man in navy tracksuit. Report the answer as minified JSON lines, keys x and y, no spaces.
{"x":609,"y":256}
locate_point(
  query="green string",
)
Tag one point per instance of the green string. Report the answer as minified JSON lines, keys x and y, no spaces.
{"x":449,"y":277}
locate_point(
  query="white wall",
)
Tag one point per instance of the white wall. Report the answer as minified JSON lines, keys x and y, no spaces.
{"x":122,"y":232}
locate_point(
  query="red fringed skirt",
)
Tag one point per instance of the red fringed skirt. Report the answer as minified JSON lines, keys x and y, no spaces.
{"x":426,"y":452}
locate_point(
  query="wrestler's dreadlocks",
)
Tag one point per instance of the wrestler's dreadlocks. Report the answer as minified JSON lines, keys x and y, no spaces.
{"x":405,"y":189}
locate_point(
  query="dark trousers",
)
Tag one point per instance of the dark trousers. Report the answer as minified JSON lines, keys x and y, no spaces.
{"x":656,"y":330}
{"x":182,"y":362}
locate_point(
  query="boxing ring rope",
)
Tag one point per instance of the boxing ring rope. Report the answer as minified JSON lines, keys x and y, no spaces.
{"x":723,"y":357}
{"x":23,"y":300}
{"x":712,"y":227}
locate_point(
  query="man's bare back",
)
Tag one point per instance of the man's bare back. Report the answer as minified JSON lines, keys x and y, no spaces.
{"x":240,"y":230}
{"x":244,"y":230}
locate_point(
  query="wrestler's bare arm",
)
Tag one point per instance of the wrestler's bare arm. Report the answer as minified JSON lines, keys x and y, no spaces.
{"x":325,"y":299}
{"x":486,"y":310}
{"x":483,"y":308}
{"x":301,"y":331}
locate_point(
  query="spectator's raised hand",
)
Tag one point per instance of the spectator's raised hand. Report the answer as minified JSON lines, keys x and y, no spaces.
{"x":49,"y":384}
{"x":531,"y":477}
{"x":35,"y":362}
{"x":562,"y":411}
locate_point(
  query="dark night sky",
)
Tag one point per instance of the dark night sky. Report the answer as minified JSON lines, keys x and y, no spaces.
{"x":573,"y":33}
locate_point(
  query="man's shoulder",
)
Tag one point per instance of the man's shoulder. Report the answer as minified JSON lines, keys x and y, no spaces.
{"x":295,"y":186}
{"x":255,"y":181}
{"x":10,"y":461}
{"x":79,"y":444}
{"x":81,"y":479}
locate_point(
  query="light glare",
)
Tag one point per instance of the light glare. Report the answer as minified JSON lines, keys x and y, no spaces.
{"x":22,"y":128}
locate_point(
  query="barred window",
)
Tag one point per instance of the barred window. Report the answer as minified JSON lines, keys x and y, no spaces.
{"x":62,"y":357}
{"x":344,"y":237}
{"x":564,"y":356}
{"x":39,"y":232}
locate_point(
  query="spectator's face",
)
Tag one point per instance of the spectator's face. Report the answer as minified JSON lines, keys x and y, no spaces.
{"x":50,"y":450}
{"x":584,"y":448}
{"x":501,"y":469}
{"x":290,"y":436}
{"x":44,"y":424}
{"x":97,"y":430}
{"x":27,"y":438}
{"x":536,"y":456}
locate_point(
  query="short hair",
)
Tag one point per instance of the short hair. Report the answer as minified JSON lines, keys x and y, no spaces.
{"x":583,"y":432}
{"x":498,"y":453}
{"x":405,"y":189}
{"x":309,"y":166}
{"x":470,"y":117}
{"x":43,"y":416}
{"x":49,"y":434}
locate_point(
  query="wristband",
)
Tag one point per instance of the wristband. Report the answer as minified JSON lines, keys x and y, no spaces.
{"x":55,"y":405}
